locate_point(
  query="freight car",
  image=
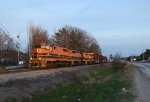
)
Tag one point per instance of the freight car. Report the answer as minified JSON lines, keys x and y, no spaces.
{"x":49,"y":56}
{"x":98,"y":58}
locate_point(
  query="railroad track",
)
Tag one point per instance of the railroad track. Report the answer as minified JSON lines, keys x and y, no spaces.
{"x":30,"y":70}
{"x":14,"y":71}
{"x":7,"y":71}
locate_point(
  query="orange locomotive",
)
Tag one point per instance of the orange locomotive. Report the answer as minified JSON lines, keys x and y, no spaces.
{"x":48,"y":56}
{"x":45,"y":56}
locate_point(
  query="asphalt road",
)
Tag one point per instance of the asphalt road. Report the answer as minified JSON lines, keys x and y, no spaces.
{"x":145,"y":68}
{"x":142,"y":81}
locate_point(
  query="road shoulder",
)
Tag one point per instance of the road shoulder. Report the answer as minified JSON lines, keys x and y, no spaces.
{"x":142,"y":85}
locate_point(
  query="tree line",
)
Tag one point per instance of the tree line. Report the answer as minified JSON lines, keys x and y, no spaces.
{"x":67,"y":36}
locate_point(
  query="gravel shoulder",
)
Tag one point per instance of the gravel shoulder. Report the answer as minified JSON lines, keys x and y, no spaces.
{"x":142,"y":83}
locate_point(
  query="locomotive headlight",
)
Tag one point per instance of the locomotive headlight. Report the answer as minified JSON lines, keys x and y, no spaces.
{"x":39,"y":58}
{"x":31,"y":58}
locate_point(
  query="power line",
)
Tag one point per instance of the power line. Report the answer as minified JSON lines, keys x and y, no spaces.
{"x":5,"y":28}
{"x":5,"y":32}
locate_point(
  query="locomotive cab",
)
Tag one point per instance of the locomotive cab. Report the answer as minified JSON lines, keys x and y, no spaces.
{"x":39,"y":52}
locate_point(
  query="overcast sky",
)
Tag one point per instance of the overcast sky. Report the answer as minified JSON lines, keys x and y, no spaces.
{"x":121,"y":26}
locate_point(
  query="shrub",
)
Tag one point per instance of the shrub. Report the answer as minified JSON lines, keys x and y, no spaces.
{"x":117,"y":63}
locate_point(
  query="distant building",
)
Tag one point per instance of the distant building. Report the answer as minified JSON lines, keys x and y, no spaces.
{"x":10,"y":57}
{"x":132,"y":59}
{"x":21,"y":62}
{"x":148,"y":60}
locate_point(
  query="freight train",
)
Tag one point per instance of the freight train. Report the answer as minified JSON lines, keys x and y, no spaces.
{"x":45,"y":55}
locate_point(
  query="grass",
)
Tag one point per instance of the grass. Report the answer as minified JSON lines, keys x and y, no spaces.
{"x":100,"y":85}
{"x":11,"y":99}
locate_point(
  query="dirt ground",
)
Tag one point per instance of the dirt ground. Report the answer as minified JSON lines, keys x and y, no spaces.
{"x":21,"y":85}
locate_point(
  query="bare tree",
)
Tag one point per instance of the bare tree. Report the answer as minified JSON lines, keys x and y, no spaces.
{"x":7,"y":47}
{"x":37,"y":34}
{"x":75,"y":38}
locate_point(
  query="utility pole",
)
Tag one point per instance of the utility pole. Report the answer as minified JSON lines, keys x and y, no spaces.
{"x":18,"y":45}
{"x":30,"y":46}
